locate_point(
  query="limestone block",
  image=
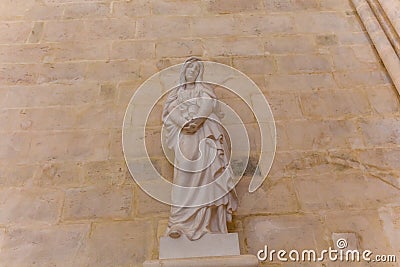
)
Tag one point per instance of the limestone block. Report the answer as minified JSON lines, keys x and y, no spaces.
{"x":46,"y":246}
{"x":355,"y":38}
{"x":14,"y":146}
{"x":131,"y":8}
{"x":335,"y":5}
{"x":28,"y":53}
{"x":234,"y":46}
{"x":65,"y":30}
{"x":277,"y":198}
{"x":328,"y":104}
{"x":79,"y":50}
{"x":289,"y":44}
{"x":325,"y":22}
{"x":304,"y":63}
{"x":351,"y":241}
{"x":18,"y":74}
{"x":73,"y":93}
{"x":381,"y":131}
{"x":389,"y":216}
{"x":146,"y":205}
{"x":44,"y":12}
{"x":207,"y":246}
{"x":381,"y":158}
{"x":229,"y":6}
{"x":255,"y":65}
{"x":383,"y":99}
{"x":331,"y":192}
{"x":179,"y":48}
{"x":120,"y":243}
{"x":365,"y":224}
{"x":215,"y":25}
{"x":110,"y":29}
{"x":105,"y":172}
{"x":160,"y":27}
{"x":98,"y":202}
{"x":53,"y":72}
{"x":36,"y":33}
{"x":24,"y":206}
{"x":346,"y":58}
{"x":15,"y":32}
{"x":133,"y":50}
{"x":327,"y":39}
{"x":284,"y":232}
{"x":81,"y":145}
{"x":297,"y":82}
{"x":11,"y":10}
{"x":290,"y":5}
{"x":116,"y":145}
{"x":284,"y":105}
{"x":112,"y":70}
{"x":319,"y":134}
{"x":361,"y":78}
{"x":17,"y":175}
{"x":256,"y":24}
{"x":228,"y":261}
{"x":180,"y":7}
{"x":86,"y":10}
{"x":58,"y":174}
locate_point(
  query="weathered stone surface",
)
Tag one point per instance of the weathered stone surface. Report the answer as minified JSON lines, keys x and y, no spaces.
{"x":149,"y":206}
{"x":45,"y":246}
{"x":14,"y":32}
{"x":180,"y":48}
{"x":290,"y":44}
{"x":58,"y":174}
{"x":383,"y":99}
{"x":229,"y":6}
{"x":272,"y":198}
{"x":284,"y":232}
{"x":336,"y":104}
{"x":304,"y":63}
{"x":121,"y":243}
{"x":360,"y":223}
{"x":346,"y":191}
{"x":25,"y":206}
{"x":17,"y":175}
{"x":98,"y":202}
{"x":381,"y":132}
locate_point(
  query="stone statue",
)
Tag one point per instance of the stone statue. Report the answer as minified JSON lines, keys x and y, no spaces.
{"x":191,"y":117}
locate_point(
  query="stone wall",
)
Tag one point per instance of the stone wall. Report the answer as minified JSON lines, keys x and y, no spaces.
{"x":69,"y":67}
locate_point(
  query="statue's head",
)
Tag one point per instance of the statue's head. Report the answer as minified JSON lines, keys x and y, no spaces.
{"x":192,"y":71}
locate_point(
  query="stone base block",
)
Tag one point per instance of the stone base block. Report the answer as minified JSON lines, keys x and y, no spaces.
{"x":209,"y":245}
{"x":226,"y":261}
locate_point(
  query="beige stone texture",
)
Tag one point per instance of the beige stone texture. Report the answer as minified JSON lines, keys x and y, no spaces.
{"x":69,"y":69}
{"x":98,"y":202}
{"x":120,"y":243}
{"x":44,"y":245}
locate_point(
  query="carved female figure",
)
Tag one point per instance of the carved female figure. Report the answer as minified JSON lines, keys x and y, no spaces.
{"x":191,"y":116}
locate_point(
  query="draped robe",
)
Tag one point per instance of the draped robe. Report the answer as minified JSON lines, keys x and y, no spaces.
{"x":210,"y":217}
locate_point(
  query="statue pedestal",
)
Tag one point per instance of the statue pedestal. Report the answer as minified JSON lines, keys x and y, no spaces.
{"x":212,"y":250}
{"x":207,"y":246}
{"x":224,"y":261}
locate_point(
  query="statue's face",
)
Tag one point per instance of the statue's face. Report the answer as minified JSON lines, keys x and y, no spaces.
{"x":191,"y":72}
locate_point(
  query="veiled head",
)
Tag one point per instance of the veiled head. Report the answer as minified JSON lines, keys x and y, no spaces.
{"x":192,"y":71}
